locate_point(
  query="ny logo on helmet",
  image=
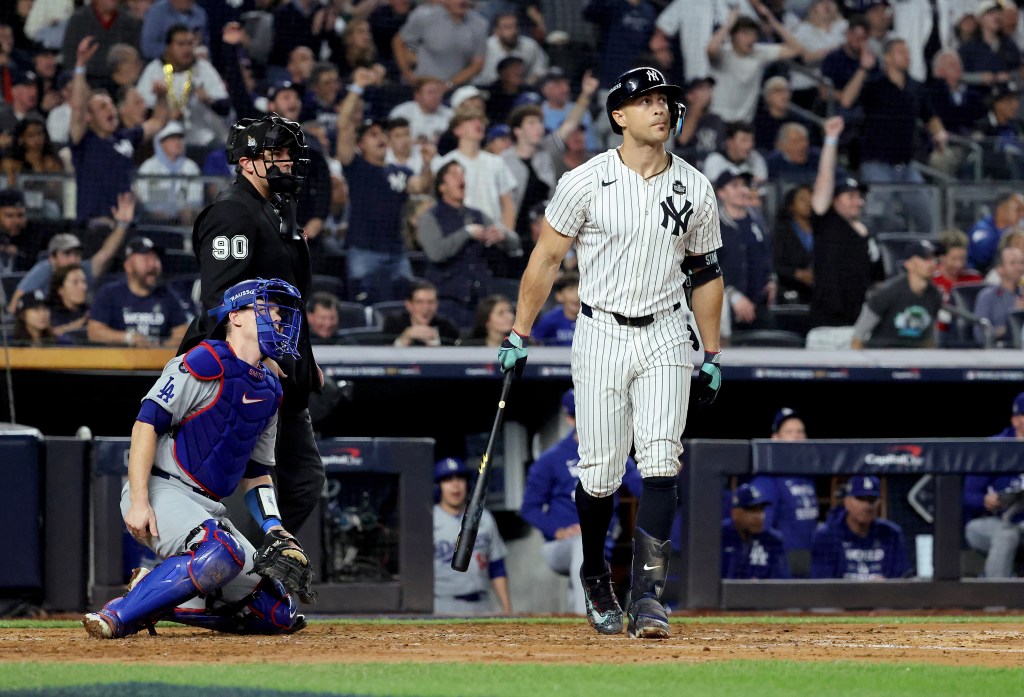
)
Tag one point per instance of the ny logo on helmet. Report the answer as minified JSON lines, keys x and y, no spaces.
{"x":654,"y":76}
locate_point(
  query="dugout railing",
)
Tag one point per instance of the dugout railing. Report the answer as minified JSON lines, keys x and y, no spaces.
{"x":710,"y":464}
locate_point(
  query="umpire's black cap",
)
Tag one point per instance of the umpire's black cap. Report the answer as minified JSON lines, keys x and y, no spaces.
{"x":638,"y":81}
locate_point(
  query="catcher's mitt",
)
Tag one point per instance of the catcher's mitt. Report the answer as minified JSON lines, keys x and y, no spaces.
{"x":282,"y":558}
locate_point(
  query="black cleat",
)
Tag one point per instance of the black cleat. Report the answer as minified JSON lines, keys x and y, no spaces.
{"x":603,"y":611}
{"x":648,"y":619}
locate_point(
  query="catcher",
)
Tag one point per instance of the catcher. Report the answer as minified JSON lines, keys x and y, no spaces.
{"x":207,"y":426}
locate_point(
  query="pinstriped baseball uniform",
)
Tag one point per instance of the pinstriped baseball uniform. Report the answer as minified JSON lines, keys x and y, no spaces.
{"x":632,"y":383}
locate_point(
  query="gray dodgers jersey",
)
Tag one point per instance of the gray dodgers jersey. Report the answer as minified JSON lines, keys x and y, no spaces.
{"x":182,"y":395}
{"x":489,"y":547}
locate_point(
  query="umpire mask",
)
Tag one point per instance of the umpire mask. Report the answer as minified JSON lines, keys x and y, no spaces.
{"x":252,"y":138}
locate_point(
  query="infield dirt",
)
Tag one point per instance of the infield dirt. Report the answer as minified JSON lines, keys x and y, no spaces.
{"x":975,"y":643}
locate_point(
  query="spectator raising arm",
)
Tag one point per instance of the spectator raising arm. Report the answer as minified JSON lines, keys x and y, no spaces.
{"x":825,"y":182}
{"x":848,"y":97}
{"x":80,"y":89}
{"x":791,"y":48}
{"x":718,"y":38}
{"x":575,"y":117}
{"x":350,"y":110}
{"x":124,"y":216}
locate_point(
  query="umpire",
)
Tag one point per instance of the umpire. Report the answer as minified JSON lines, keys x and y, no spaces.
{"x":250,"y":232}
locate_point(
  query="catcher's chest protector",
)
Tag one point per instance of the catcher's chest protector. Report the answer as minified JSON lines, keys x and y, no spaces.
{"x":214,"y":444}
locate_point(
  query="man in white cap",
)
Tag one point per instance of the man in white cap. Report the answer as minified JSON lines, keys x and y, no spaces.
{"x":167,"y":195}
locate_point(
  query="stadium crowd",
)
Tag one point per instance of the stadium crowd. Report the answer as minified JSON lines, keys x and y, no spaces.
{"x":829,"y":128}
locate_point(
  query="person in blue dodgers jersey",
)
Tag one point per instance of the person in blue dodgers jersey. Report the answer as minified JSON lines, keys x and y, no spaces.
{"x":992,"y":507}
{"x":207,"y":426}
{"x":750,"y":549}
{"x":794,"y":500}
{"x":457,"y":593}
{"x":854,"y":543}
{"x":549,"y":504}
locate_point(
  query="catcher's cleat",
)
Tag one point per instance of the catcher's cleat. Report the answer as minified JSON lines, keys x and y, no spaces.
{"x":603,"y":611}
{"x":98,"y":626}
{"x":300,"y":624}
{"x":648,"y":619}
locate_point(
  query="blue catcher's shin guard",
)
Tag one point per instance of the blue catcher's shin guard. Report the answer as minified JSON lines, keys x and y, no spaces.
{"x":269,"y":610}
{"x":212,"y":560}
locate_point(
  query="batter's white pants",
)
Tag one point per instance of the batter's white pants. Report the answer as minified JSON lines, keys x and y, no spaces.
{"x":632,"y":387}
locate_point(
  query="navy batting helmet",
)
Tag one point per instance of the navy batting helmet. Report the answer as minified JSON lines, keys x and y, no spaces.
{"x":277,"y":337}
{"x":637,"y":81}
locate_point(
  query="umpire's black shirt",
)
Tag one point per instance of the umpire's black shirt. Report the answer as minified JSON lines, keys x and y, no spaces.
{"x":236,"y":238}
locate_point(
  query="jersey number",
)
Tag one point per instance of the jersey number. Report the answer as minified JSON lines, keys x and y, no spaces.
{"x":166,"y":392}
{"x":237,"y":247}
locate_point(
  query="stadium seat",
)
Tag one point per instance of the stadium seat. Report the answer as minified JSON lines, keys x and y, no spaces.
{"x":792,"y":317}
{"x":364,"y":336}
{"x":892,"y":244}
{"x":509,"y":287}
{"x":1015,"y":327}
{"x":353,"y":315}
{"x":177,"y":262}
{"x":965,"y":294}
{"x":324,"y":283}
{"x":384,"y":310}
{"x":166,"y":237}
{"x":777,"y":338}
{"x":10,"y":281}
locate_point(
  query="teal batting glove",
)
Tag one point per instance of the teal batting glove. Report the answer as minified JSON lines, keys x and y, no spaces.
{"x":512,"y":354}
{"x":708,"y":380}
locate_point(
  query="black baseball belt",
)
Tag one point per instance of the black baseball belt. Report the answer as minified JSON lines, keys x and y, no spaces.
{"x":168,"y":476}
{"x":629,"y":321}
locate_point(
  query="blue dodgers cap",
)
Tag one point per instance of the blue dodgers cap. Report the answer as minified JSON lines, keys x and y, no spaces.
{"x":498,"y":130}
{"x":1018,"y":404}
{"x":450,"y":467}
{"x":569,"y":403}
{"x":748,"y":496}
{"x":528,"y":98}
{"x":864,"y":485}
{"x":783,"y":416}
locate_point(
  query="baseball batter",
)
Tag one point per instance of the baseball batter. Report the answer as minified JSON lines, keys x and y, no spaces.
{"x":457,"y":593}
{"x":645,"y":225}
{"x":208,"y":425}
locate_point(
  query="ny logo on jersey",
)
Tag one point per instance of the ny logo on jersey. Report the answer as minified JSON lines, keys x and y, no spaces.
{"x":681,"y":218}
{"x":397,"y":181}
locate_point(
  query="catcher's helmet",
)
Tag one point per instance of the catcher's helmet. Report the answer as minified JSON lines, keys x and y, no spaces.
{"x":250,"y":137}
{"x":277,"y":337}
{"x":637,"y":81}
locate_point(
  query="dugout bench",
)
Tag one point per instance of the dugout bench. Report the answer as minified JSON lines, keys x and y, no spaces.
{"x":707,"y":465}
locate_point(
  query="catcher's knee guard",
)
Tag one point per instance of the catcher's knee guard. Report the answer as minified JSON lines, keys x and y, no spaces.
{"x":269,"y":610}
{"x":212,"y":560}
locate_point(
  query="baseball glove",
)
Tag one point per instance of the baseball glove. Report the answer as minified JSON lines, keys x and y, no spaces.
{"x":282,"y":558}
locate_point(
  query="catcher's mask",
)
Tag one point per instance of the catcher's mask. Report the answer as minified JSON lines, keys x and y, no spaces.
{"x":638,"y":81}
{"x":251,"y":138}
{"x":277,"y":337}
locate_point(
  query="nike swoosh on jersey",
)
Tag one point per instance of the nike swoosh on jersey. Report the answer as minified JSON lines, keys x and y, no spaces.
{"x":246,"y":400}
{"x":604,"y":183}
{"x":648,"y":568}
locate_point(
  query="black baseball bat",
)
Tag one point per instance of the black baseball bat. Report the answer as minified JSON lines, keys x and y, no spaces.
{"x":466,"y":540}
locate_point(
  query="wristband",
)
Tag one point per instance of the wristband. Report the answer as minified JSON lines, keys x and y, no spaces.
{"x":79,"y":70}
{"x":356,"y":89}
{"x":262,"y":503}
{"x":831,"y":140}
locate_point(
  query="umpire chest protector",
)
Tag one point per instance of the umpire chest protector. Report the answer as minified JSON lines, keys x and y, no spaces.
{"x":213,"y":445}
